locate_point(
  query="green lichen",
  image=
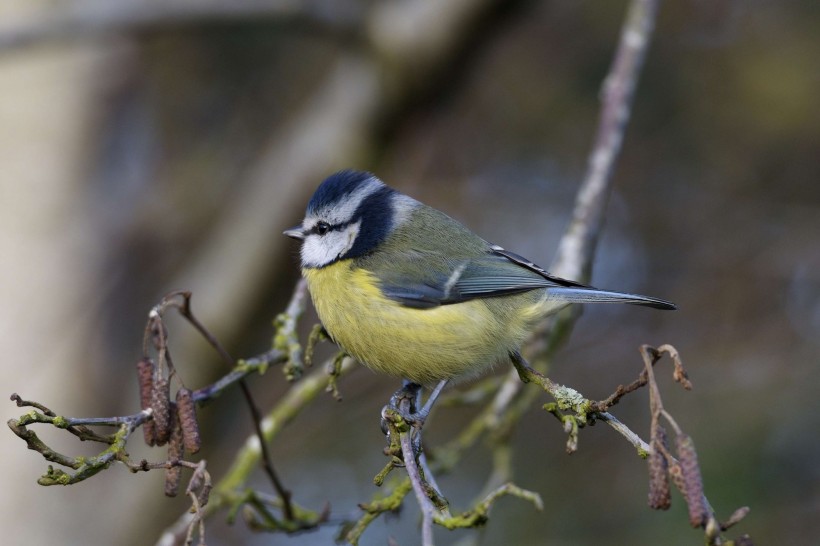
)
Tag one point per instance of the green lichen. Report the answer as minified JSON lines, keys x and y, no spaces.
{"x":285,"y":341}
{"x":54,"y":476}
{"x":60,"y":422}
{"x":317,"y":335}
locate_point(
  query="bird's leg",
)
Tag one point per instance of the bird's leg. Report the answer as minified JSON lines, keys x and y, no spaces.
{"x":422,"y":414}
{"x":521,"y":364}
{"x":411,"y":394}
{"x":409,"y":391}
{"x":412,"y":391}
{"x":404,"y":402}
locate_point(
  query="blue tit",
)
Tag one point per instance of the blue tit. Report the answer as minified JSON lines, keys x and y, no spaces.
{"x":411,"y":292}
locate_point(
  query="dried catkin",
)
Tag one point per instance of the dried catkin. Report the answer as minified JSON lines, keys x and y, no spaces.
{"x":186,"y":410}
{"x":161,"y":403}
{"x":660,"y":497}
{"x":175,"y":452}
{"x":692,"y":482}
{"x":145,"y":377}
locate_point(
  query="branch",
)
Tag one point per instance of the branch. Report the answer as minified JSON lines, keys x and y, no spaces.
{"x":684,"y":471}
{"x":577,"y":246}
{"x":179,"y":428}
{"x":434,"y":508}
{"x":88,"y":466}
{"x":84,"y":467}
{"x":409,"y":455}
{"x":575,"y":251}
{"x":285,"y":341}
{"x":159,"y":415}
{"x":230,"y":491}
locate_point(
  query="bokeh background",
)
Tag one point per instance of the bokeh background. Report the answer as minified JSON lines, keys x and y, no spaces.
{"x":148,"y":146}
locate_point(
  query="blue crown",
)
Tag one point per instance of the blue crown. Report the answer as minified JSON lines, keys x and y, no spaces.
{"x":336,"y":187}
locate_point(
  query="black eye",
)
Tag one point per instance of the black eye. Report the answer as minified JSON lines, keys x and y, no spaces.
{"x":321,"y":228}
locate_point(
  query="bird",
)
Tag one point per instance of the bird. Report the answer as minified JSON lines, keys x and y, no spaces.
{"x":411,"y":292}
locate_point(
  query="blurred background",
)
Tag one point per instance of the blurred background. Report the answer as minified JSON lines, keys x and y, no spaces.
{"x":149,"y":146}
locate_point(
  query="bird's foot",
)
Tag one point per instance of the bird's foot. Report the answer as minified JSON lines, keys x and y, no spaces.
{"x":405,"y":410}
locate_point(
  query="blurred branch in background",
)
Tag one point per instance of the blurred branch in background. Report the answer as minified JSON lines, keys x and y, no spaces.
{"x":340,"y":125}
{"x":84,"y":19}
{"x":574,"y":258}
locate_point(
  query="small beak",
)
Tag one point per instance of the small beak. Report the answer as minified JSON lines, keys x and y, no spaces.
{"x":295,"y":232}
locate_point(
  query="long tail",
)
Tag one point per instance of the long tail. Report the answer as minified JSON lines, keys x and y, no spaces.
{"x":571,"y":294}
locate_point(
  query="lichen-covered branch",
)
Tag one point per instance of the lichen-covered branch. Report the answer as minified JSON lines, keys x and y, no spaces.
{"x":164,"y":421}
{"x":84,"y":467}
{"x":231,"y":490}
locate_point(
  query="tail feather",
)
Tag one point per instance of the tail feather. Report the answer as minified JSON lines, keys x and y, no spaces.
{"x":572,"y":294}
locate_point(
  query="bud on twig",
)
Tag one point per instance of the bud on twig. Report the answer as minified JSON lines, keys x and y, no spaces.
{"x":145,"y":377}
{"x":186,"y":410}
{"x":735,"y":518}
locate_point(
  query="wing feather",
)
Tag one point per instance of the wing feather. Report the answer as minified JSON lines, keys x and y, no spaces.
{"x":444,"y":281}
{"x":447,"y":281}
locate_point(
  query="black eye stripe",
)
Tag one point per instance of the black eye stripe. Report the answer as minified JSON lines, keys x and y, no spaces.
{"x":323,"y":228}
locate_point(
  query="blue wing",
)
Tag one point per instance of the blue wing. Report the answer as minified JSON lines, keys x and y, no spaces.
{"x":496,"y":273}
{"x":446,"y":281}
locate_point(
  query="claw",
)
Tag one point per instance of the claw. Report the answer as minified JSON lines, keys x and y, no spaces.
{"x":405,"y":402}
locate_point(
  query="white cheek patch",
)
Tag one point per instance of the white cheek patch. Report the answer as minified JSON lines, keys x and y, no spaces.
{"x":320,"y":250}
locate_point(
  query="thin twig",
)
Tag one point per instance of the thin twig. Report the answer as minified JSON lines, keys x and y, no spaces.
{"x":577,"y":246}
{"x":298,"y":397}
{"x":296,"y":306}
{"x":625,"y":431}
{"x":574,"y":257}
{"x":426,"y":506}
{"x":116,"y":442}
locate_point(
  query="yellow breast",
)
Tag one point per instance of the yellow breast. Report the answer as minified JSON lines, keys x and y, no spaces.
{"x":422,"y":345}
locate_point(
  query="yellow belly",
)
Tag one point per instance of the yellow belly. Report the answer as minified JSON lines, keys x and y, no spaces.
{"x":422,"y":345}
